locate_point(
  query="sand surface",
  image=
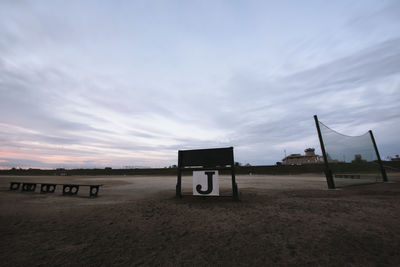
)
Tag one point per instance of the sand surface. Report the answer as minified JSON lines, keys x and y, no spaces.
{"x":136,"y":220}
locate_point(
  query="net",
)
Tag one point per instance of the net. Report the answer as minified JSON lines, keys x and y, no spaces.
{"x":352,"y":159}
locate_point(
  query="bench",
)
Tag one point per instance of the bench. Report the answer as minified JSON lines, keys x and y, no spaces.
{"x":67,"y":189}
{"x":206,"y":159}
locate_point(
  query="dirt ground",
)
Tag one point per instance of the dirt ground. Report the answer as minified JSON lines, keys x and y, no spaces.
{"x":279,"y":220}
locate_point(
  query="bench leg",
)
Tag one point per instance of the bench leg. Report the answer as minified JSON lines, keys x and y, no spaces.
{"x":28,"y":187}
{"x":32,"y":187}
{"x":74,"y":189}
{"x":51,"y":188}
{"x":66,"y":190}
{"x":94,"y":190}
{"x":14,"y":186}
{"x":24,"y":187}
{"x":43,"y":188}
{"x":70,"y":189}
{"x":47,"y":188}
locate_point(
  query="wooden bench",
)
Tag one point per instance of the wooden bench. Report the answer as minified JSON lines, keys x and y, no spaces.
{"x":68,"y":189}
{"x":206,"y":159}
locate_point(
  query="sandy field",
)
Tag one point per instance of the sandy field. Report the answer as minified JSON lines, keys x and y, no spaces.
{"x":137,"y":221}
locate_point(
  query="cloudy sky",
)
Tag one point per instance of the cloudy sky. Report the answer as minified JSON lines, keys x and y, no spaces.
{"x":128,"y":83}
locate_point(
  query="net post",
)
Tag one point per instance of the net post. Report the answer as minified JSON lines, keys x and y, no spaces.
{"x":179,"y":175}
{"x":383,"y":171}
{"x":328,"y":172}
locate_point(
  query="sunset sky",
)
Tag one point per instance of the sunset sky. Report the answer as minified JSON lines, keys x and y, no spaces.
{"x":128,"y":83}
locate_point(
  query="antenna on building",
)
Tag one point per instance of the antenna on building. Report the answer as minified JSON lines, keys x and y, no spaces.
{"x":284,"y":152}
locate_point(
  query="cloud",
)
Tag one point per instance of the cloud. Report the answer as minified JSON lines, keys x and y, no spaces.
{"x":375,"y":62}
{"x":346,"y":92}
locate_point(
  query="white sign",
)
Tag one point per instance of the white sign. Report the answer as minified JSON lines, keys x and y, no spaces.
{"x":205,"y":183}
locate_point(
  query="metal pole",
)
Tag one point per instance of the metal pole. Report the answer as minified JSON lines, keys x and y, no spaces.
{"x":384,"y":176}
{"x":179,"y":179}
{"x":328,"y":172}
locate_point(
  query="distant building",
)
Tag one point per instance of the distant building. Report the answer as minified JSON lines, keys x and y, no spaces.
{"x":297,"y":159}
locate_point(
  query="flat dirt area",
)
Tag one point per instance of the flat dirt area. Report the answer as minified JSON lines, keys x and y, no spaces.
{"x":136,"y":220}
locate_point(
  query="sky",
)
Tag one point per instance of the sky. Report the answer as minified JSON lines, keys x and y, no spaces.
{"x":90,"y":84}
